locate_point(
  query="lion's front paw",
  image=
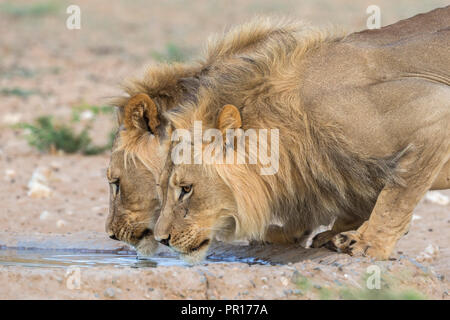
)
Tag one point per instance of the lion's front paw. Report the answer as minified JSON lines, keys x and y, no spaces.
{"x":377,"y":253}
{"x":352,"y":243}
{"x":344,"y":242}
{"x":322,"y":238}
{"x":349,"y":242}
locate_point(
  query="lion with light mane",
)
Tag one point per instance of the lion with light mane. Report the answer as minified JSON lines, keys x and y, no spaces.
{"x":364,"y":132}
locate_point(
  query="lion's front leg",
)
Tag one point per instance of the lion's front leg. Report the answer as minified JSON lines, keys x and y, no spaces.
{"x":392,"y":213}
{"x":378,"y":236}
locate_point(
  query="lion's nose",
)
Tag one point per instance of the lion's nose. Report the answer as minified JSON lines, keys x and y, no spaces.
{"x":165,"y":241}
{"x":113,"y":236}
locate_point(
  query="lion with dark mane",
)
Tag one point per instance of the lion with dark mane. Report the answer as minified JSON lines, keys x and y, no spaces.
{"x":364,"y":132}
{"x":143,"y":139}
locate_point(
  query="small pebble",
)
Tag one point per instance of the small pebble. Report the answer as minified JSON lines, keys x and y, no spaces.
{"x":284,"y":281}
{"x":109,"y":293}
{"x":55,"y":165}
{"x":10,"y":174}
{"x":44,"y":215}
{"x":298,"y":292}
{"x":86,"y":115}
{"x":37,"y":186}
{"x":338,"y":282}
{"x":437,"y":198}
{"x":430,"y":253}
{"x":61,"y":223}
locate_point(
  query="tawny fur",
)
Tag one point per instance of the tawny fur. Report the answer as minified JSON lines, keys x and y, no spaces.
{"x":169,"y":85}
{"x":359,"y":123}
{"x":135,"y":148}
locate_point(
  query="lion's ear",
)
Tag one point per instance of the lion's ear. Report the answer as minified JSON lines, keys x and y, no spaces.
{"x":140,"y":113}
{"x":229,"y":118}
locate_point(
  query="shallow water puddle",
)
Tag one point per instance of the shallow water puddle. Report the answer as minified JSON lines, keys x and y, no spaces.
{"x":64,"y":259}
{"x":58,"y":258}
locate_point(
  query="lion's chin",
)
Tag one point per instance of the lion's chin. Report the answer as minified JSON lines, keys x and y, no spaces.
{"x":196,"y":256}
{"x":146,"y":247}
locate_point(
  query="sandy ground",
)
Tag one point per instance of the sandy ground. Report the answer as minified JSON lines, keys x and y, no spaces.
{"x":256,"y":272}
{"x":61,"y":69}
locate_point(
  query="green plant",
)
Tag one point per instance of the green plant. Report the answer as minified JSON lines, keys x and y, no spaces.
{"x":379,"y":294}
{"x":96,"y":110}
{"x":303,"y":283}
{"x":35,"y":9}
{"x":45,"y":135}
{"x":362,"y":293}
{"x":17,"y":71}
{"x":17,"y":92}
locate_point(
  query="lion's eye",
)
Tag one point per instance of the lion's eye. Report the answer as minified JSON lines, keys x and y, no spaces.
{"x":116,"y":186}
{"x":185,"y":190}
